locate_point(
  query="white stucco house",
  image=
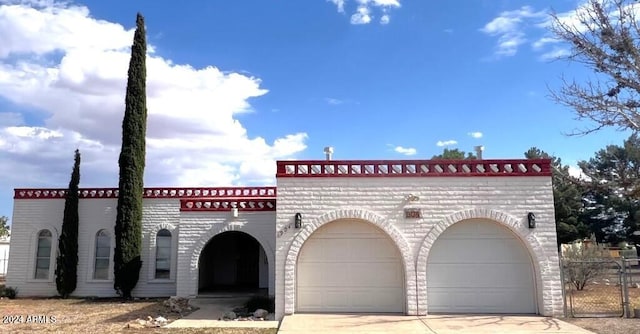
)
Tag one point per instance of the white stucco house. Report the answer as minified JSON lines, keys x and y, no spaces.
{"x":411,"y":237}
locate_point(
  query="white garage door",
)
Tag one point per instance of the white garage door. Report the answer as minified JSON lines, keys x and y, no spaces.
{"x":349,"y":266}
{"x":479,"y":266}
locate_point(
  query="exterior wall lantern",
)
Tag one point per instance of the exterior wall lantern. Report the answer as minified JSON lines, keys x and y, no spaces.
{"x":531,"y":219}
{"x":298,"y":220}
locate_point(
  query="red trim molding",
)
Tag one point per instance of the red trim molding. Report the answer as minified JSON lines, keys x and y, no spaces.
{"x":413,"y":168}
{"x":226,"y":204}
{"x":166,"y":192}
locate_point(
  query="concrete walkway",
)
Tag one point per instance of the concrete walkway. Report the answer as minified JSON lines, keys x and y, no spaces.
{"x":212,"y":309}
{"x":433,"y":324}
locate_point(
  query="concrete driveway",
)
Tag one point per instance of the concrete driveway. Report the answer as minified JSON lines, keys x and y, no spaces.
{"x":434,"y":324}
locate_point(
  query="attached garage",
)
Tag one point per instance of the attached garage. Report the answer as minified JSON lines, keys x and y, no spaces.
{"x":479,"y":266}
{"x":350,"y":266}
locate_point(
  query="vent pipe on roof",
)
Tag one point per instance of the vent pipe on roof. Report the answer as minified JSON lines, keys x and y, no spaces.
{"x":328,"y":151}
{"x":479,"y":150}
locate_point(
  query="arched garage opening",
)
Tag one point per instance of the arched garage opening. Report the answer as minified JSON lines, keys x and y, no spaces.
{"x":233,"y":261}
{"x":480,"y":266}
{"x":350,"y":266}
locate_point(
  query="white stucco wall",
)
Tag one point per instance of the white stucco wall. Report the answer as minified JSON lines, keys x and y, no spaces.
{"x":443,"y":200}
{"x":197,"y":228}
{"x":32,"y":215}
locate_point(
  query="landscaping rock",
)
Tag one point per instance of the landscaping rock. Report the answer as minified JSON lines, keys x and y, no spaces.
{"x":242,"y":312}
{"x":260,"y":313}
{"x":229,"y":315}
{"x":160,"y":321}
{"x":177,"y":304}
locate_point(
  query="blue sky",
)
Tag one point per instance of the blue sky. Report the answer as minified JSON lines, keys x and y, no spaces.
{"x":235,"y":85}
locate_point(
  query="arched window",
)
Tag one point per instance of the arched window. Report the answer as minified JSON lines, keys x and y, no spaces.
{"x":102,"y":255}
{"x":43,"y":255}
{"x":163,"y":254}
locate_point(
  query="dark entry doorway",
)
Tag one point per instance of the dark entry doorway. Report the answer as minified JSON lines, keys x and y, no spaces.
{"x":231,"y":261}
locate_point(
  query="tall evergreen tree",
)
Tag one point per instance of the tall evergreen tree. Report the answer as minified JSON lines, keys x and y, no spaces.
{"x":567,"y":199}
{"x":128,"y":228}
{"x":454,"y":154}
{"x":4,"y":227}
{"x":613,"y":197}
{"x":67,"y":260}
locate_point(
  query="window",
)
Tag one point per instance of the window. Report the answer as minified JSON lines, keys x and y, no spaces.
{"x":43,"y":255}
{"x":163,"y":254}
{"x":103,"y":252}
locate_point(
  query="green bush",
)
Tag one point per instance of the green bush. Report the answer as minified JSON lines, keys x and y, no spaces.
{"x":263,"y":302}
{"x":8,"y":292}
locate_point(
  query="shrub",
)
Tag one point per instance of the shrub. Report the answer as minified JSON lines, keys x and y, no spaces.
{"x":583,"y":263}
{"x":8,"y":292}
{"x":263,"y":302}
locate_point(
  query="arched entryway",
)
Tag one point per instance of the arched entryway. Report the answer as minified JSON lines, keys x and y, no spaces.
{"x":480,"y":266}
{"x":350,"y":266}
{"x":232,"y":261}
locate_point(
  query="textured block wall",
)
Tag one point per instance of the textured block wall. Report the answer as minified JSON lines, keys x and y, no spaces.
{"x":32,"y":215}
{"x":443,"y":201}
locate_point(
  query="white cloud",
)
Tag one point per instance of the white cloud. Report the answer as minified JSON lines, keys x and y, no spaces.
{"x":339,"y":4}
{"x":333,"y":101}
{"x":527,"y":26}
{"x":71,"y":68}
{"x":555,"y":53}
{"x":544,"y":41}
{"x":509,"y":28}
{"x":450,"y":142}
{"x":364,"y":9}
{"x":576,"y":172}
{"x":405,"y":150}
{"x":476,"y":134}
{"x":361,"y":16}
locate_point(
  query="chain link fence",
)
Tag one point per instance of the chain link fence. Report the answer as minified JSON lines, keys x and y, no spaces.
{"x":600,"y":287}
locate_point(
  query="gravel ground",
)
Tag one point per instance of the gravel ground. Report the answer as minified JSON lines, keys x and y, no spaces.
{"x":607,"y":325}
{"x":52,"y":315}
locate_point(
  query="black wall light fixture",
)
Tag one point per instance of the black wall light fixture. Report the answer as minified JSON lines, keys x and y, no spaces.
{"x":298,"y":220}
{"x":531,"y":219}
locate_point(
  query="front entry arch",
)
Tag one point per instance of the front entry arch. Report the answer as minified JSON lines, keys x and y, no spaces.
{"x":232,"y":261}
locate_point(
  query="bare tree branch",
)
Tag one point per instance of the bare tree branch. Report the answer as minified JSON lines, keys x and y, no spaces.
{"x":604,"y":35}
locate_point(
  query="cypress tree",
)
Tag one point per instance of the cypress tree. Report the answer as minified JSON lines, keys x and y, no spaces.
{"x":128,"y":228}
{"x":67,"y":260}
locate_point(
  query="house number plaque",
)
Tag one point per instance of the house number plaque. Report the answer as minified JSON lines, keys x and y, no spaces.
{"x":412,"y":213}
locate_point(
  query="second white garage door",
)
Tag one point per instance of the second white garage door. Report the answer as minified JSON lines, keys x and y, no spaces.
{"x":479,"y":266}
{"x":349,"y":266}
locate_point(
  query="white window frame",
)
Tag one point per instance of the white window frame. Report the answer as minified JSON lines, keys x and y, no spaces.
{"x":151,"y":277}
{"x":31,"y":276}
{"x":40,"y":239}
{"x":95,"y":259}
{"x":92,"y":256}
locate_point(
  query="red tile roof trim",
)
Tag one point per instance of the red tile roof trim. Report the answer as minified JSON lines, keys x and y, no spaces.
{"x":413,"y":168}
{"x":166,"y":192}
{"x":226,"y":204}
